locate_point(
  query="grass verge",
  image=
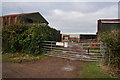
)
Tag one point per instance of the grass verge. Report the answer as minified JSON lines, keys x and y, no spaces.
{"x":21,"y":57}
{"x":8,"y":59}
{"x":93,"y":71}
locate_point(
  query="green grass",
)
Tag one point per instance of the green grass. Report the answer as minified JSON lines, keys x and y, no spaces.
{"x":58,"y":50}
{"x":8,"y":59}
{"x":40,"y":56}
{"x":94,"y":48}
{"x":18,"y":57}
{"x":93,"y":71}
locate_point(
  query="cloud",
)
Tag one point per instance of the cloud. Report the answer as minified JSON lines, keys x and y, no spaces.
{"x":77,"y":21}
{"x":60,"y":0}
{"x":69,"y":17}
{"x":72,"y":16}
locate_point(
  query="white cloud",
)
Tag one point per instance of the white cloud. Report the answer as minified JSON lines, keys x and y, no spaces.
{"x":68,"y":17}
{"x":76,"y":21}
{"x":60,"y":0}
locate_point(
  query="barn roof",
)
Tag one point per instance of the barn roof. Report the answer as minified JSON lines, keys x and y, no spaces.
{"x":36,"y":16}
{"x":110,"y":20}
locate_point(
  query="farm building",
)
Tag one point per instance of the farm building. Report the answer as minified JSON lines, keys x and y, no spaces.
{"x":74,"y":37}
{"x":78,"y":37}
{"x":105,"y":25}
{"x":70,"y":37}
{"x":25,"y":18}
{"x":65,"y":38}
{"x":88,"y":37}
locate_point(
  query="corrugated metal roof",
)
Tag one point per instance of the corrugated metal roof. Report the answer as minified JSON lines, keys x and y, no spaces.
{"x":19,"y":14}
{"x":35,"y":16}
{"x":110,"y":20}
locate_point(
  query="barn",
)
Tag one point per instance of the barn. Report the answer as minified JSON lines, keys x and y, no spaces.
{"x":24,"y":18}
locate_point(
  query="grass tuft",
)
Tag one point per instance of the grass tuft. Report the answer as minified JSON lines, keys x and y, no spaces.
{"x":21,"y":57}
{"x":93,"y":71}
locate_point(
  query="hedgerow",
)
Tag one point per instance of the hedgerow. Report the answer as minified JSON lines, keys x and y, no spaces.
{"x":27,"y":39}
{"x":112,"y":42}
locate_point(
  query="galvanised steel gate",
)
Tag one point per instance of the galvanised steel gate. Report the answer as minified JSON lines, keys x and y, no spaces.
{"x":75,"y":51}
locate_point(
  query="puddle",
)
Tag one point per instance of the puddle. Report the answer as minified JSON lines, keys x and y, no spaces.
{"x":68,"y":68}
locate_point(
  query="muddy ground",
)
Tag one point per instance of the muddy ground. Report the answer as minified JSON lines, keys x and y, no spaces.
{"x":48,"y":67}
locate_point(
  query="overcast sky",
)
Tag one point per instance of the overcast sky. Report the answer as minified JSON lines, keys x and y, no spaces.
{"x":69,"y":17}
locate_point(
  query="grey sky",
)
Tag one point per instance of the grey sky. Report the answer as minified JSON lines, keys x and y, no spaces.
{"x":69,"y":17}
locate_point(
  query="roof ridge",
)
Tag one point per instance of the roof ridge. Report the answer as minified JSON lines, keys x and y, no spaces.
{"x":20,"y":14}
{"x":109,"y":19}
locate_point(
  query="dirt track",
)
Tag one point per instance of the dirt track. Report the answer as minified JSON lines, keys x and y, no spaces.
{"x":48,"y":67}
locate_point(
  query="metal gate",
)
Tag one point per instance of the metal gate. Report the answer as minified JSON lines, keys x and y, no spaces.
{"x":75,"y":51}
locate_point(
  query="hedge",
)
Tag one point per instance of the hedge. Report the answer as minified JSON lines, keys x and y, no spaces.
{"x":27,"y":38}
{"x":112,"y":43}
